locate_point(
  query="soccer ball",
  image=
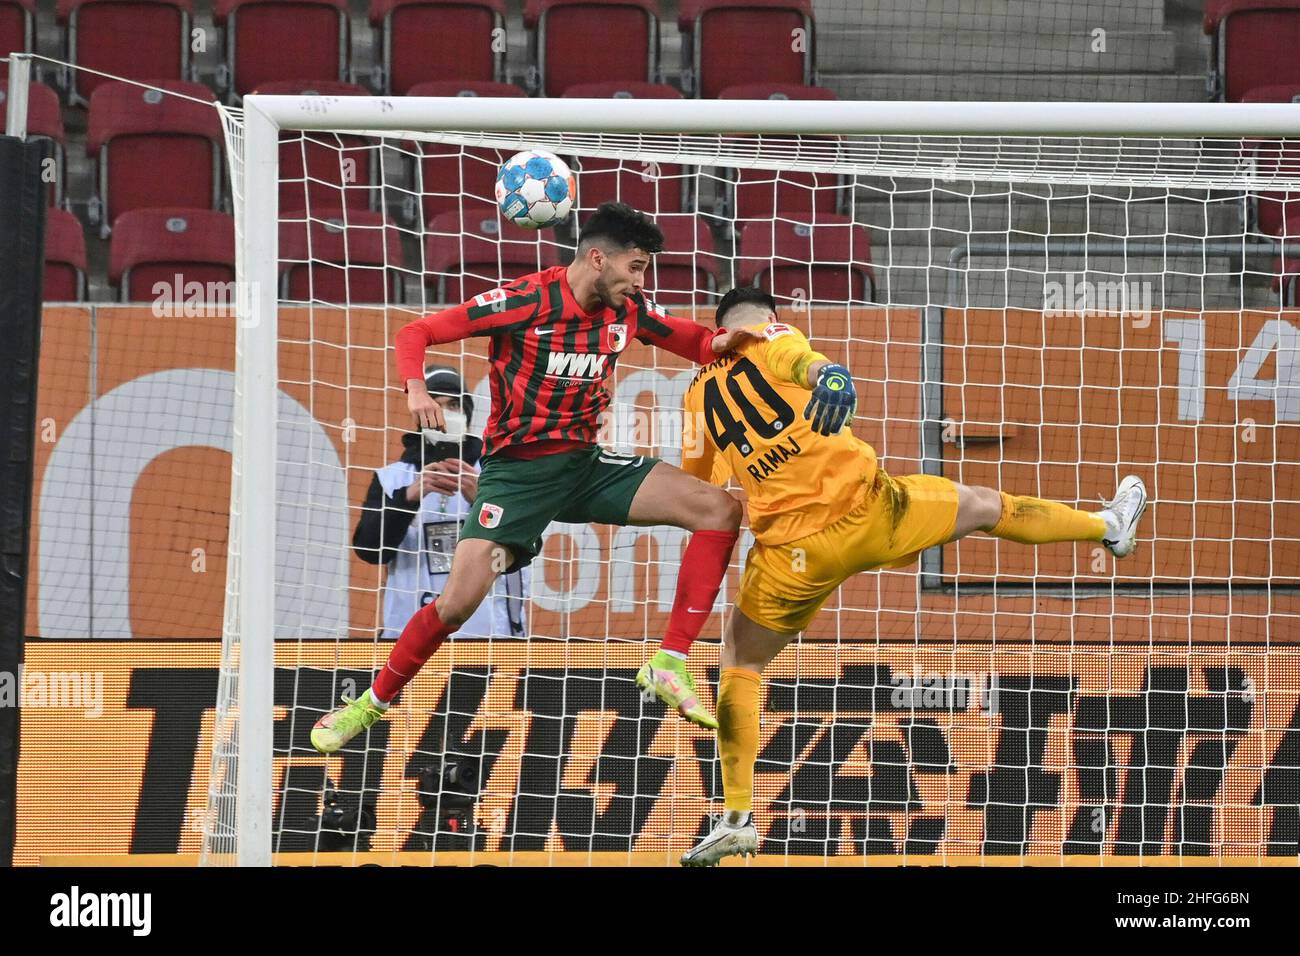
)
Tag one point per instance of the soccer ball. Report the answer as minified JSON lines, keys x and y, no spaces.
{"x":535,"y":189}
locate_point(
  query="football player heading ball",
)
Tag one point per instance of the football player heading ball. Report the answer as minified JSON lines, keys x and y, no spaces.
{"x":554,"y":339}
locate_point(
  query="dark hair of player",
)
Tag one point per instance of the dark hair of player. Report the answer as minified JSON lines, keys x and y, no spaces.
{"x":743,"y":295}
{"x":618,"y":224}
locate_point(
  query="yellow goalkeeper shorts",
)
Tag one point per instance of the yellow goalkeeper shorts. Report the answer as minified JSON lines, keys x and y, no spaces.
{"x":784,"y":585}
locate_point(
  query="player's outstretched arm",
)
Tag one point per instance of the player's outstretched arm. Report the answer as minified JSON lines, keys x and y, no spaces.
{"x":489,"y":313}
{"x":692,"y":341}
{"x":791,"y":358}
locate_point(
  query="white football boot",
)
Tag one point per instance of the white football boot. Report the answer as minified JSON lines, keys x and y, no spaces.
{"x":1121,"y":515}
{"x":733,"y":834}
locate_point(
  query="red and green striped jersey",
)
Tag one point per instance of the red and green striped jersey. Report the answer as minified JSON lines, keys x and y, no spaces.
{"x":550,"y":360}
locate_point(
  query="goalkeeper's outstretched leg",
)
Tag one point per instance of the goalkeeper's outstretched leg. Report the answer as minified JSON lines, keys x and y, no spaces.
{"x":776,"y":602}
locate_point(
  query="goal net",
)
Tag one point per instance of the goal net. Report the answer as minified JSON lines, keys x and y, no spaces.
{"x":1041,"y":299}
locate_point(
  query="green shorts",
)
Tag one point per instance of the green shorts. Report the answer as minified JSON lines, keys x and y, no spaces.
{"x":517,"y":499}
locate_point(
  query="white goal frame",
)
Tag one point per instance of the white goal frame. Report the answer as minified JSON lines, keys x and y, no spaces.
{"x":253,"y":520}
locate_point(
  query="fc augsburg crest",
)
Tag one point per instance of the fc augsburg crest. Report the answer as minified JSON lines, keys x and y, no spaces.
{"x":617,"y":337}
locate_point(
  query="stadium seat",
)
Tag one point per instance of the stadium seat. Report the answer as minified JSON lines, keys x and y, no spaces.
{"x":17,"y":29}
{"x":65,"y":258}
{"x":1270,"y":208}
{"x":269,"y":40}
{"x":764,"y":193}
{"x":153,"y":149}
{"x":133,"y":39}
{"x":339,"y":257}
{"x":44,"y":118}
{"x":172,"y":247}
{"x":826,"y":261}
{"x":1254,"y":44}
{"x":686,"y":271}
{"x":325,"y":170}
{"x":464,"y":257}
{"x":730,"y":42}
{"x":466,"y":26}
{"x":448,"y":177}
{"x":564,"y":33}
{"x":653,"y":187}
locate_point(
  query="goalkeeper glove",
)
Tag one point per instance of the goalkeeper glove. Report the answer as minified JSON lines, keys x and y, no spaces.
{"x":833,"y":401}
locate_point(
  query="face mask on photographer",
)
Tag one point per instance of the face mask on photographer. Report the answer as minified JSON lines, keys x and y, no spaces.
{"x":455,"y":429}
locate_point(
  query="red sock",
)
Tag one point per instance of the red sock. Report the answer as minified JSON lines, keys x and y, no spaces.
{"x":699,"y":579}
{"x":423,"y":634}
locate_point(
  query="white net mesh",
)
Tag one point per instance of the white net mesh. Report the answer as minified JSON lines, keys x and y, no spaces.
{"x":1037,"y":315}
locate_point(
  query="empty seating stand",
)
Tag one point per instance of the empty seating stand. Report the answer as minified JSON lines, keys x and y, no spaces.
{"x":65,"y":258}
{"x":17,"y":29}
{"x":416,"y":35}
{"x":466,"y":255}
{"x":449,"y":177}
{"x":172,"y":248}
{"x":269,"y":40}
{"x":686,"y":271}
{"x":765,"y":193}
{"x":153,"y":149}
{"x":325,"y":170}
{"x":654,"y":188}
{"x":825,"y":261}
{"x":44,"y":118}
{"x":133,"y":39}
{"x":339,"y":257}
{"x":589,"y":41}
{"x":1255,"y":43}
{"x":731,"y":42}
{"x":1269,"y":208}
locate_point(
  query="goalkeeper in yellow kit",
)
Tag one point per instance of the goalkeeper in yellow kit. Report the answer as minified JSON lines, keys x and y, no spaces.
{"x":822,"y":510}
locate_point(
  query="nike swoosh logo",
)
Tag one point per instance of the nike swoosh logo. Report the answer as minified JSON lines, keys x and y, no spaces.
{"x":696,"y":610}
{"x":543,"y":331}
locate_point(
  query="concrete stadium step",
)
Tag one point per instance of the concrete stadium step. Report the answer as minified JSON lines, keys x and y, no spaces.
{"x":1045,"y":16}
{"x":907,"y":50}
{"x":1044,"y":87}
{"x":1146,"y":218}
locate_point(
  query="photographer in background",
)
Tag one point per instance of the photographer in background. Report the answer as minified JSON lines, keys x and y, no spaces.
{"x":412,"y":516}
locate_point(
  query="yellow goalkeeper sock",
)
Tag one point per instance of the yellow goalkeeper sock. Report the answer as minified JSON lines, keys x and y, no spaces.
{"x":1030,"y":520}
{"x":738,"y":705}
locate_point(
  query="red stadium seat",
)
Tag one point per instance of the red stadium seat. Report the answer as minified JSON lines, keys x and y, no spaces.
{"x":65,"y":258}
{"x":686,"y":271}
{"x":133,"y":39}
{"x":764,"y":193}
{"x":172,"y":247}
{"x":153,"y":149}
{"x":464,"y":257}
{"x":451,"y":177}
{"x":465,"y":26}
{"x":44,"y":118}
{"x":325,"y":170}
{"x":829,"y":261}
{"x":339,"y":257}
{"x":566,"y":32}
{"x":269,"y":40}
{"x":653,"y":187}
{"x":730,"y":42}
{"x":1255,"y":44}
{"x":1275,"y":155}
{"x":17,"y":29}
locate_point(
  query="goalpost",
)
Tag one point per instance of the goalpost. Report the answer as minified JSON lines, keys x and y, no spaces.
{"x":1035,"y":296}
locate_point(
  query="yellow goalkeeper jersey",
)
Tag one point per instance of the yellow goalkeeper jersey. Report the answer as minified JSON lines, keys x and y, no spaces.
{"x":744,"y":418}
